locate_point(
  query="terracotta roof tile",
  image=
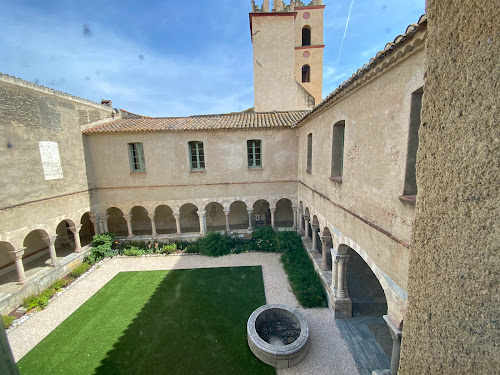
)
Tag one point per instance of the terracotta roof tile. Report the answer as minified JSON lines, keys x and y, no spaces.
{"x":241,"y":120}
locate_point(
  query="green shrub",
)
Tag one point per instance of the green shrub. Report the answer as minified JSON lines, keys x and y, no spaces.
{"x":104,"y":239}
{"x":102,"y":247}
{"x":183,"y":245}
{"x":133,"y":251}
{"x":167,"y":248}
{"x":215,"y":244}
{"x":38,"y":302}
{"x":7,"y":320}
{"x":241,"y":246}
{"x":59,"y":284}
{"x":264,"y":239}
{"x":192,"y":248}
{"x":80,"y":270}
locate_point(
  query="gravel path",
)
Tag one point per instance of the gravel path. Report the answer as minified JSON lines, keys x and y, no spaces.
{"x":328,"y":353}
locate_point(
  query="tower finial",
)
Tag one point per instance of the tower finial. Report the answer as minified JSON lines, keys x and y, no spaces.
{"x":265,"y":6}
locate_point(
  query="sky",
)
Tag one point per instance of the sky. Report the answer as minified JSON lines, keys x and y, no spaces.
{"x":174,"y":58}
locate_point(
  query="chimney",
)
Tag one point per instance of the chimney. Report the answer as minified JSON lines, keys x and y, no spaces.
{"x":106,"y":103}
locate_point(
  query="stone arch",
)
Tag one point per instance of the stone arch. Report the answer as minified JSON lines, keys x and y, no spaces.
{"x":36,"y":253}
{"x":189,"y":219}
{"x":164,"y":220}
{"x":283,"y":216}
{"x":315,"y":226}
{"x":216,"y":219}
{"x":396,"y":304}
{"x":65,"y":241}
{"x":116,"y":222}
{"x":87,"y":231}
{"x":6,"y":262}
{"x":238,"y":215}
{"x":140,"y":221}
{"x":329,"y":245}
{"x":261,"y":212}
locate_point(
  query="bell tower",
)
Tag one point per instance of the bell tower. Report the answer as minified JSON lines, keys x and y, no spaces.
{"x":288,"y":55}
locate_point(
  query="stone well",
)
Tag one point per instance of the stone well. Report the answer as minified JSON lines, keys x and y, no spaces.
{"x":278,"y":335}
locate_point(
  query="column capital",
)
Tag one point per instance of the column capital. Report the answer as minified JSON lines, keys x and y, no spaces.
{"x":272,"y":209}
{"x":75,"y":229}
{"x":201,"y":213}
{"x":127,"y":218}
{"x":301,"y":210}
{"x":250,"y":210}
{"x":18,"y":253}
{"x":396,"y":333}
{"x":315,"y":226}
{"x":226,"y":211}
{"x":51,"y":240}
{"x":341,"y":259}
{"x":176,"y":214}
{"x":325,"y":238}
{"x":151,"y":216}
{"x":307,"y":217}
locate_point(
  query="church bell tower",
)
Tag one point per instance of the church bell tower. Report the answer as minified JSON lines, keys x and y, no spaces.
{"x":288,"y":55}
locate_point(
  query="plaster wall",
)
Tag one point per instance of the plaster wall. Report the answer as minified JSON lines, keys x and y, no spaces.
{"x":452,"y":324}
{"x":377,"y":118}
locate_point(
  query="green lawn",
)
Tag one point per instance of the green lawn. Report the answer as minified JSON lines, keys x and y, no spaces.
{"x":158,"y":322}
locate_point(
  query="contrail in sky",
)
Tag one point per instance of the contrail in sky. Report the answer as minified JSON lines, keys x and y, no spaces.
{"x":345,"y":31}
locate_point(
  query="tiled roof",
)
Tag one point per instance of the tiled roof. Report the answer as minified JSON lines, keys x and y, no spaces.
{"x":400,"y":40}
{"x":240,"y":120}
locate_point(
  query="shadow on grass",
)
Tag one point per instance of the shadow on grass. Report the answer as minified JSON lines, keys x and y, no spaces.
{"x":194,"y":323}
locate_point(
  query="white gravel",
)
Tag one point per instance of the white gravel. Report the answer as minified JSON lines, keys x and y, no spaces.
{"x":328,"y":353}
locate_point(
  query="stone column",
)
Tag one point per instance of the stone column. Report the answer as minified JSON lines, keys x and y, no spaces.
{"x":17,"y":255}
{"x":76,"y":235}
{"x":250,"y":228}
{"x":396,"y":344}
{"x":335,"y":263}
{"x":153,"y":225}
{"x":341,"y":276}
{"x":226,"y":212}
{"x":203,"y":222}
{"x":295,"y":213}
{"x":315,"y":228}
{"x":94,"y":223}
{"x":177,"y":217}
{"x":105,"y":223}
{"x":325,"y":240}
{"x":51,"y":241}
{"x":307,"y":234}
{"x":128,"y":219}
{"x":100,"y":223}
{"x":273,"y":211}
{"x":301,"y":222}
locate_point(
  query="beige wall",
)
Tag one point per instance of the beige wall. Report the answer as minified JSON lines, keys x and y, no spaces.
{"x":30,"y":114}
{"x":452,"y":325}
{"x":377,"y":117}
{"x":169,"y":179}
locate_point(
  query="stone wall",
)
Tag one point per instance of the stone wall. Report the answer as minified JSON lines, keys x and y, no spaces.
{"x":452,"y":325}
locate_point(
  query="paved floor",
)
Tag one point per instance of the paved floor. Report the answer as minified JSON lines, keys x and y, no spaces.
{"x":328,"y":353}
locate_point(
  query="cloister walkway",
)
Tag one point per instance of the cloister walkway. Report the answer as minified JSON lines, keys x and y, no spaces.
{"x":328,"y":352}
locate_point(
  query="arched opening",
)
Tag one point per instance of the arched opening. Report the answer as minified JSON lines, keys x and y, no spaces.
{"x":238,"y":215}
{"x":307,"y":214}
{"x":328,"y":255}
{"x":164,"y":220}
{"x":283,"y":217}
{"x":65,"y":241}
{"x":36,"y":254}
{"x":141,"y":223}
{"x":116,"y":222}
{"x":216,"y":219}
{"x":261,"y":213}
{"x":368,"y":300}
{"x":315,"y":234}
{"x":306,"y":36}
{"x":87,"y":229}
{"x":189,"y":218}
{"x":306,"y":73}
{"x":8,"y":273}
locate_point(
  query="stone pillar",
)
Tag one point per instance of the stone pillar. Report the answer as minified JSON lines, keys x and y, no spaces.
{"x":100,"y":223}
{"x":250,"y":228}
{"x":203,"y":222}
{"x":17,"y":255}
{"x":94,"y":223}
{"x":315,"y":228}
{"x":273,"y":211}
{"x":396,"y":344}
{"x":307,"y":234}
{"x":76,"y":235}
{"x":325,"y":240}
{"x":335,"y":263}
{"x":301,"y":222}
{"x":153,"y":225}
{"x":226,"y":212}
{"x":295,"y":213}
{"x":51,"y":241}
{"x":128,"y":219}
{"x":177,"y":217}
{"x":105,"y":223}
{"x":341,"y":276}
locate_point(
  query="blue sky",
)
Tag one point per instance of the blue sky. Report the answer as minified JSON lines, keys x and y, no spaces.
{"x":174,"y":58}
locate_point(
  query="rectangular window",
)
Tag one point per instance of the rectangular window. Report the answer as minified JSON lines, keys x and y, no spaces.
{"x":254,"y":153}
{"x":309,"y":152}
{"x":197,"y":156}
{"x":338,"y":151}
{"x":136,"y":157}
{"x":410,"y":187}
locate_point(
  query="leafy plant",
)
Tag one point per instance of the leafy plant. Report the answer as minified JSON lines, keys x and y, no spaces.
{"x":102,"y":248}
{"x":59,"y":284}
{"x":7,"y":320}
{"x":133,"y":251}
{"x":167,"y":249}
{"x":80,"y":270}
{"x":215,"y":244}
{"x":192,"y":248}
{"x":264,"y":239}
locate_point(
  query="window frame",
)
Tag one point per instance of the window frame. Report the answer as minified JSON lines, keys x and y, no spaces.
{"x":199,"y":155}
{"x":308,"y":28}
{"x":252,"y":161}
{"x":338,"y":142}
{"x":136,"y":157}
{"x":306,"y":73}
{"x":309,"y":152}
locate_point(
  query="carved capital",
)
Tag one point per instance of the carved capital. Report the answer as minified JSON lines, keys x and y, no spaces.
{"x":202,"y":213}
{"x":226,"y":211}
{"x":17,"y":254}
{"x":325,"y":239}
{"x":75,"y":229}
{"x":51,"y":240}
{"x":151,"y":216}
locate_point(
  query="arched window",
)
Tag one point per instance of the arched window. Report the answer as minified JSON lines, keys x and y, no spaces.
{"x":306,"y":36}
{"x":306,"y":73}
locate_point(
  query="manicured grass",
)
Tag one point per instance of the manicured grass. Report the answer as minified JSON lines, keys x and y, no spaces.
{"x":158,"y":322}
